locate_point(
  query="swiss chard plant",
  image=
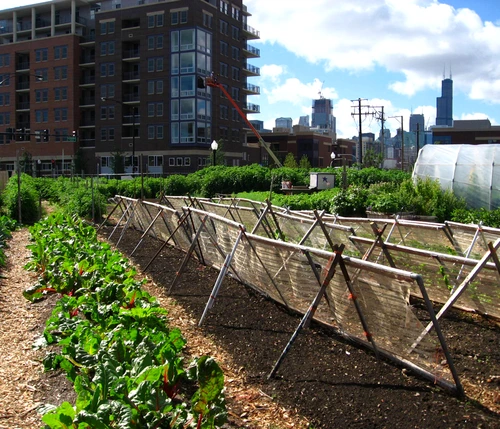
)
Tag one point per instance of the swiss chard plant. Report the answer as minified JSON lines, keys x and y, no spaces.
{"x":113,"y":340}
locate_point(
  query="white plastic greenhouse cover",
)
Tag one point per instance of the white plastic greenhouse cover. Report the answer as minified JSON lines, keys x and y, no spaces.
{"x":470,"y":171}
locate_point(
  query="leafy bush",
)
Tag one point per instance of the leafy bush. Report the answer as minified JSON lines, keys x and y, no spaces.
{"x":489,"y":218}
{"x":350,"y":202}
{"x":82,"y":200}
{"x":30,"y":205}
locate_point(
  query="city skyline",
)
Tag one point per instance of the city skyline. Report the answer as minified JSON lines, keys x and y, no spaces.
{"x":393,"y":54}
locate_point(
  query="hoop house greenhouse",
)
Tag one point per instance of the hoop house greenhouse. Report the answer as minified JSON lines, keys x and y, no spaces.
{"x":470,"y":171}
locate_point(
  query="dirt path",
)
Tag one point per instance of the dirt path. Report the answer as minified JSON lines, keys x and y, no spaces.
{"x":20,"y":366}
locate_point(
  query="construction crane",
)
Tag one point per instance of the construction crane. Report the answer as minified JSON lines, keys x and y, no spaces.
{"x":212,"y":82}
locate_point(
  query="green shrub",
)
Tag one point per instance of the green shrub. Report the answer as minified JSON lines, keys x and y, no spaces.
{"x":81,"y":201}
{"x":30,"y":205}
{"x":350,"y":202}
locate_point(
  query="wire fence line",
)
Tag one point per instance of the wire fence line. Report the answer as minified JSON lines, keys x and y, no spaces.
{"x":356,"y":278}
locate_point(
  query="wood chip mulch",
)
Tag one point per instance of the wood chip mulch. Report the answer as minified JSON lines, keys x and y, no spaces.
{"x":21,"y":369}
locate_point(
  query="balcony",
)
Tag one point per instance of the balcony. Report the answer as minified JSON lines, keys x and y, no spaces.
{"x":131,"y":54}
{"x":22,"y":65}
{"x":251,"y":108}
{"x":250,"y":32}
{"x":87,"y":101}
{"x":251,"y":70}
{"x":251,"y":52}
{"x":131,"y":75}
{"x":251,"y":89}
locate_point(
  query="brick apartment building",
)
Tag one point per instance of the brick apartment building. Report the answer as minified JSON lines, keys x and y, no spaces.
{"x":103,"y":86}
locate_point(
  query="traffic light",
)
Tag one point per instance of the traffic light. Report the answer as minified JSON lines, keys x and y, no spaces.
{"x":20,"y":134}
{"x":46,"y":135}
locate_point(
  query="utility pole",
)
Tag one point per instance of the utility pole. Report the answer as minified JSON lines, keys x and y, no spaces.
{"x":400,"y":118}
{"x":380,"y":116}
{"x":360,"y":113}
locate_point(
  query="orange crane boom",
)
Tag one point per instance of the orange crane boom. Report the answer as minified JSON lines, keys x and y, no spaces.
{"x":212,"y":82}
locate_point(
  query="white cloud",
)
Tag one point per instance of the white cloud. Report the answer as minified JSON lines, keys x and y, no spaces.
{"x":413,"y":37}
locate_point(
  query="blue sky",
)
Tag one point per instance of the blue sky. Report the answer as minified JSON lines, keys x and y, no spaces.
{"x":393,"y":53}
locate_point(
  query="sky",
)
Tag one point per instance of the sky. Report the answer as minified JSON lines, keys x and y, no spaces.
{"x":389,"y":53}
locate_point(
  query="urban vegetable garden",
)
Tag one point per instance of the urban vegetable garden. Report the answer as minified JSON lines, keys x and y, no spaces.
{"x":323,"y":313}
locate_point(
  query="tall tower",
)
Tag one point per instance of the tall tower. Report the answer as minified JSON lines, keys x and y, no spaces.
{"x":322,"y":116}
{"x":444,"y":104}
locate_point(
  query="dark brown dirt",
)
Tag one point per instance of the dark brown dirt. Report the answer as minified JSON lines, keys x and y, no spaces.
{"x":327,"y":380}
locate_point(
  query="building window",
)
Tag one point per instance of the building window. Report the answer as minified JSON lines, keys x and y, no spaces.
{"x":155,"y":64}
{"x":235,"y":33}
{"x":235,"y":12}
{"x":41,"y":55}
{"x":174,"y":86}
{"x":61,"y":94}
{"x":224,"y":7}
{"x":174,"y":18}
{"x":107,"y":91}
{"x":223,"y":69}
{"x":44,"y":73}
{"x":61,"y":73}
{"x":187,"y":40}
{"x":5,"y":99}
{"x":174,"y":130}
{"x":187,"y":108}
{"x":235,"y":73}
{"x":42,"y":115}
{"x":107,"y":69}
{"x":207,"y":20}
{"x":184,"y":17}
{"x":60,"y":52}
{"x":41,"y":95}
{"x":174,"y":110}
{"x":171,"y":162}
{"x":151,"y":132}
{"x":174,"y":41}
{"x":187,"y":132}
{"x":223,"y":27}
{"x":107,"y":27}
{"x":155,"y":160}
{"x":4,"y":60}
{"x":187,"y":62}
{"x":61,"y":114}
{"x":187,"y":86}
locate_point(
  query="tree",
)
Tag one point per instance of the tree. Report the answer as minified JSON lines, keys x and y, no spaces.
{"x":26,"y":163}
{"x":118,"y":162}
{"x":290,"y":161}
{"x":372,"y":159}
{"x":304,"y":163}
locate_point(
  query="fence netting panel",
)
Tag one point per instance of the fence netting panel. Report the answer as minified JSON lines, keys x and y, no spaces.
{"x":384,"y":299}
{"x":287,"y":253}
{"x":473,"y":239}
{"x":442,"y":274}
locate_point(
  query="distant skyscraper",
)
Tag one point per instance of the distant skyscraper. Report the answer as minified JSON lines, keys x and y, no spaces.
{"x":444,"y":104}
{"x":304,"y":121}
{"x":284,"y":123}
{"x":322,"y":116}
{"x":417,"y":127}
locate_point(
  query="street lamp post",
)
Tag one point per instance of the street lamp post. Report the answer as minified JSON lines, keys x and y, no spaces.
{"x":332,"y":156}
{"x":214,"y":147}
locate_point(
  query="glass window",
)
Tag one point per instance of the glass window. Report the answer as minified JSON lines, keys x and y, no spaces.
{"x":159,"y":132}
{"x":160,"y":18}
{"x":187,"y":132}
{"x":151,"y":42}
{"x":159,"y":41}
{"x":174,"y":41}
{"x":174,"y":127}
{"x":184,"y":16}
{"x":151,"y":21}
{"x":151,"y":109}
{"x":174,"y":84}
{"x":187,"y":86}
{"x":187,"y":62}
{"x":151,"y":87}
{"x":151,"y":132}
{"x":174,"y":18}
{"x":187,"y":39}
{"x":174,"y":110}
{"x":159,"y":109}
{"x":159,"y":87}
{"x":174,"y":64}
{"x":187,"y":108}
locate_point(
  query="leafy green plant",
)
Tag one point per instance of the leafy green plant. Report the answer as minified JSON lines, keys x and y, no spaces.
{"x":28,"y":197}
{"x":113,"y":340}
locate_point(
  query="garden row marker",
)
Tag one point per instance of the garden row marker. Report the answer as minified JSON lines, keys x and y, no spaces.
{"x":330,"y":271}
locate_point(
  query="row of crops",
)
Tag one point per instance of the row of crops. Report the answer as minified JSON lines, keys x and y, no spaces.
{"x":112,"y":340}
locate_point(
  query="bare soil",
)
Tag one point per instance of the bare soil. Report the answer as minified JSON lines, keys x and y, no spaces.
{"x":324,"y":381}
